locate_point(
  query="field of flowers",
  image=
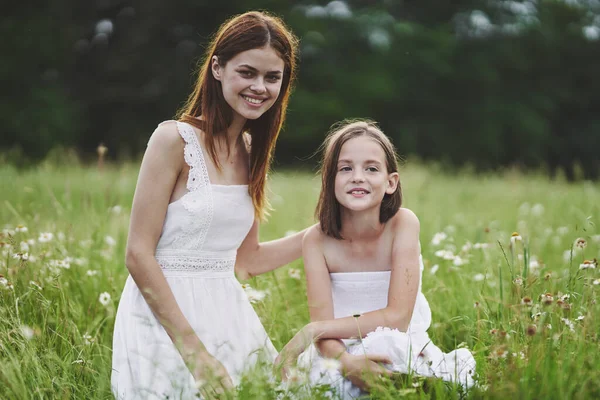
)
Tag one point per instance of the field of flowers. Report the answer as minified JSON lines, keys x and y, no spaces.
{"x":510,"y":272}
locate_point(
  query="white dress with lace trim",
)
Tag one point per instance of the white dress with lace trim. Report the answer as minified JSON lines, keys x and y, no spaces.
{"x":196,"y":251}
{"x":412,"y":351}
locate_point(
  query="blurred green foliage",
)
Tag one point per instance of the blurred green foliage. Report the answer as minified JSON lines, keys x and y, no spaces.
{"x":483,"y":83}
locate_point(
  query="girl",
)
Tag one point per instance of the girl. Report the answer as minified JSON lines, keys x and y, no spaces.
{"x":363,"y":272}
{"x":183,"y":317}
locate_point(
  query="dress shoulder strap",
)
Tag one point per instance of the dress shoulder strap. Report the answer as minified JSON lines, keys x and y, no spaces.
{"x":194,"y":157}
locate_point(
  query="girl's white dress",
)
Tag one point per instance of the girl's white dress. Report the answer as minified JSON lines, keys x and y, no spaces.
{"x":196,"y":251}
{"x":360,"y":292}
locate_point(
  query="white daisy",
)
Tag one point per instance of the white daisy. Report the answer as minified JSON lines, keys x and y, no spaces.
{"x":104,"y":298}
{"x":45,"y":237}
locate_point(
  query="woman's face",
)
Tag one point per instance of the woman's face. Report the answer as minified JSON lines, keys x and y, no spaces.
{"x":251,"y":81}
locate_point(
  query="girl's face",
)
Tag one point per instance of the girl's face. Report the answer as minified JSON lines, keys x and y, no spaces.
{"x":362,"y":179}
{"x":251,"y":81}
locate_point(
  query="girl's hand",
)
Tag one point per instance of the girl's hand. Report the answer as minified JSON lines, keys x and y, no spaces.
{"x":290,"y":352}
{"x":362,"y":370}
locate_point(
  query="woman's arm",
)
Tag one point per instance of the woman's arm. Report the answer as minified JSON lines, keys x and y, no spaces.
{"x":255,"y":258}
{"x":161,"y":166}
{"x":402,"y":294}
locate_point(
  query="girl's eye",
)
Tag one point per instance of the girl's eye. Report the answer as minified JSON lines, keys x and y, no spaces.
{"x":345,"y":169}
{"x":372,"y":169}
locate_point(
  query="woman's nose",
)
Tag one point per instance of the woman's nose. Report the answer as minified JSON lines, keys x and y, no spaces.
{"x":258,"y":86}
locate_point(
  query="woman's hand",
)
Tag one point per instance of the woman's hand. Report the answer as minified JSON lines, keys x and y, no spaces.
{"x":210,"y":375}
{"x":363,"y":370}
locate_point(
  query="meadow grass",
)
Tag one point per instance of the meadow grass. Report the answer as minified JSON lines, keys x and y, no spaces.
{"x":526,"y":307}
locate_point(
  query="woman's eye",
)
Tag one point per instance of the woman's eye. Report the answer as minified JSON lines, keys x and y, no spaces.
{"x":246,"y":74}
{"x":273,"y":79}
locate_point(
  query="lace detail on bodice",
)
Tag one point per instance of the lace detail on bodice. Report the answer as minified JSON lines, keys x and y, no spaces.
{"x":196,"y":261}
{"x":198,"y":201}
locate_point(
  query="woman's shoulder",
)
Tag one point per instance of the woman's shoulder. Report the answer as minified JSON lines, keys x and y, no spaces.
{"x":166,"y":134}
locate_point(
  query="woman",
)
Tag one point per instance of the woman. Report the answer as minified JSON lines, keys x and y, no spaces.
{"x":184,"y":321}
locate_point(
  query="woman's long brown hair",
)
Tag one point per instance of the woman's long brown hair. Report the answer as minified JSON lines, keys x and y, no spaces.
{"x":244,"y":32}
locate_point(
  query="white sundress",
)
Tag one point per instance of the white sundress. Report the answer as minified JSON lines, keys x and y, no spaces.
{"x":196,"y":251}
{"x":361,"y":292}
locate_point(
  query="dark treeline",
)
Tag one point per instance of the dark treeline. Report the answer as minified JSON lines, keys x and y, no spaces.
{"x":485,"y":83}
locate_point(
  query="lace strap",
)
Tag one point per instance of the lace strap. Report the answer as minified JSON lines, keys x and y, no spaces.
{"x":194,"y":157}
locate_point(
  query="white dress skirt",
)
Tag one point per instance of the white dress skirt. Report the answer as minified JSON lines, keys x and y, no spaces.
{"x":410,"y":352}
{"x":196,"y":251}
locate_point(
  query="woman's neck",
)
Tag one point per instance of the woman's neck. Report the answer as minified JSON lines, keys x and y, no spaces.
{"x":363,"y":225}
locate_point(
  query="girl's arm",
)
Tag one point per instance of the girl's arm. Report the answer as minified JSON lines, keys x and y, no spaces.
{"x":402,"y":294}
{"x":161,"y":166}
{"x":255,"y":258}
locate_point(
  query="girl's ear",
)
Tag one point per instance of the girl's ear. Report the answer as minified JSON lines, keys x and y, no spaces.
{"x":215,"y":68}
{"x":393,"y":180}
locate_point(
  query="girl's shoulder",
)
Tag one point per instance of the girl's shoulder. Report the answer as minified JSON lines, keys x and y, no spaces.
{"x":314,"y":236}
{"x":405,"y":220}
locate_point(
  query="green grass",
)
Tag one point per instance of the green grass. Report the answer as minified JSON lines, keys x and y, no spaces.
{"x":47,"y":309}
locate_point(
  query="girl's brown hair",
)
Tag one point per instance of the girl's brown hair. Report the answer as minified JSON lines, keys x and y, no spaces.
{"x":328,"y":208}
{"x":244,"y":32}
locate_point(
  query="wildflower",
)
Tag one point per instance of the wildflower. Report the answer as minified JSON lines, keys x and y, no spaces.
{"x":534,"y":263}
{"x":587,"y":264}
{"x":116,"y":210}
{"x":537,"y":210}
{"x":104,"y":298}
{"x":531,"y":330}
{"x":434,"y":269}
{"x":580,"y":318}
{"x":254,"y":295}
{"x":548,"y":276}
{"x":515,"y":237}
{"x":478,"y":277}
{"x":596,"y":282}
{"x":87,"y":339}
{"x":467,"y":247}
{"x":476,"y":304}
{"x":493,"y":331}
{"x":331,"y":365}
{"x":580,"y":243}
{"x":85,"y":243}
{"x":568,"y":323}
{"x":21,"y":228}
{"x":439,"y":238}
{"x":24,"y":246}
{"x":295,"y":376}
{"x":78,"y":361}
{"x":45,"y":237}
{"x":498,"y":353}
{"x":445,"y":254}
{"x":21,"y":256}
{"x":92,"y":272}
{"x":547,"y":298}
{"x":518,"y":281}
{"x":294,"y":273}
{"x":27,"y":332}
{"x":536,"y":316}
{"x":458,"y":261}
{"x":110,"y":241}
{"x":526,"y":301}
{"x":80,"y":261}
{"x":481,"y":245}
{"x":549,"y":327}
{"x":3,"y":281}
{"x":35,"y":284}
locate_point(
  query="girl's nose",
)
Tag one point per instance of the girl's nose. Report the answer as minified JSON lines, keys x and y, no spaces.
{"x":258,"y":86}
{"x":358,"y":176}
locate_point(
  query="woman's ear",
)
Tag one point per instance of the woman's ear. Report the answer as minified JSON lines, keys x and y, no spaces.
{"x":393,"y":180}
{"x":215,"y":68}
